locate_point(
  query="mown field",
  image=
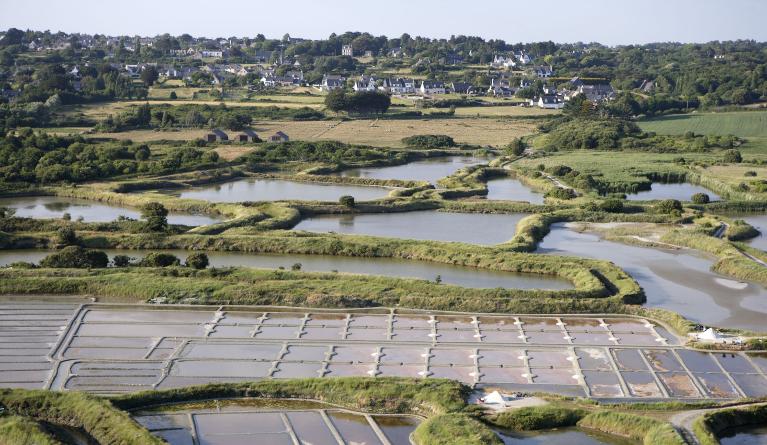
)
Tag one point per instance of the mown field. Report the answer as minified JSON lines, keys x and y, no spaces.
{"x":743,"y":124}
{"x":381,"y":133}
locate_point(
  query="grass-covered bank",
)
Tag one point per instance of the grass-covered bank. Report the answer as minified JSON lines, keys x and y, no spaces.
{"x":94,"y":417}
{"x":711,"y":424}
{"x":643,"y":429}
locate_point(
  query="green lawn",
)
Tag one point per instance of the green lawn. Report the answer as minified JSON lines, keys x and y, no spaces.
{"x":745,"y":124}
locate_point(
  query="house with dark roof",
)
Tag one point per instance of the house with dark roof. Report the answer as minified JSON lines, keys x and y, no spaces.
{"x":279,"y":137}
{"x":462,"y":88}
{"x":550,"y":101}
{"x":216,"y":135}
{"x":248,"y":135}
{"x":332,"y":82}
{"x":400,"y":85}
{"x":598,"y":92}
{"x":432,"y":87}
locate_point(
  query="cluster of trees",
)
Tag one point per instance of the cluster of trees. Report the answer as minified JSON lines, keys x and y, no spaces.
{"x":332,"y":152}
{"x":36,"y":157}
{"x":363,"y":102}
{"x":429,"y":141}
{"x":76,"y":257}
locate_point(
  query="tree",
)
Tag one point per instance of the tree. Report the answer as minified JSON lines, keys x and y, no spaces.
{"x":173,"y":95}
{"x":700,"y":198}
{"x":336,"y":101}
{"x":149,"y":75}
{"x":156,"y":216}
{"x":347,"y":201}
{"x":66,"y":236}
{"x":197,"y":260}
{"x":517,"y":147}
{"x":669,"y":206}
{"x":77,"y":258}
{"x":732,"y":156}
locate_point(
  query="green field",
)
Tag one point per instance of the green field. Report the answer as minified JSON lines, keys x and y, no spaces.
{"x":739,"y":123}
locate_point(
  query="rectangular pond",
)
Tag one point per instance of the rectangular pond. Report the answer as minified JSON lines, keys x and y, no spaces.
{"x":677,"y":280}
{"x":261,"y":424}
{"x":682,"y":192}
{"x":560,"y":436}
{"x":390,"y":267}
{"x":280,"y":190}
{"x":760,"y":223}
{"x":473,"y":228}
{"x":49,"y":207}
{"x":510,"y":189}
{"x":429,"y":170}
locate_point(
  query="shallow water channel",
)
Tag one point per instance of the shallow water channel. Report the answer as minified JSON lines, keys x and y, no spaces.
{"x":678,"y":280}
{"x":561,"y":436}
{"x":474,"y":228}
{"x":390,"y":267}
{"x":512,"y":190}
{"x":749,"y":435}
{"x":278,"y":190}
{"x":426,"y":170}
{"x":682,"y":192}
{"x":40,"y":207}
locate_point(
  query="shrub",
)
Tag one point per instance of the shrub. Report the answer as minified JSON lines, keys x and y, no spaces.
{"x":517,"y":147}
{"x":732,"y":156}
{"x":173,"y":95}
{"x":561,"y":193}
{"x":668,"y":206}
{"x":197,"y":260}
{"x":611,"y":205}
{"x":122,"y":260}
{"x":750,"y":173}
{"x":700,"y":198}
{"x":296,"y":267}
{"x":76,"y":257}
{"x":559,"y":170}
{"x":159,"y":259}
{"x":67,"y":236}
{"x":347,"y":201}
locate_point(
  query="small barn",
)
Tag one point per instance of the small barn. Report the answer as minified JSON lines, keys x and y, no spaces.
{"x":248,"y":135}
{"x":217,"y":135}
{"x":279,"y":137}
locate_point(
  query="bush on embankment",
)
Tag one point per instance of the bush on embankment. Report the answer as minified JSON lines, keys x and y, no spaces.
{"x":21,"y":430}
{"x":537,"y":418}
{"x":454,"y":428}
{"x":644,"y":429}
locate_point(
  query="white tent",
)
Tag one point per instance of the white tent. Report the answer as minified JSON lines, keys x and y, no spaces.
{"x":494,"y":398}
{"x":710,"y":335}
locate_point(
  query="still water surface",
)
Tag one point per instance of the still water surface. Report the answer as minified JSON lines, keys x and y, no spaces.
{"x":390,"y":267}
{"x":677,"y":280}
{"x":474,"y":228}
{"x":279,"y":190}
{"x":744,"y":436}
{"x":426,"y":170}
{"x":681,"y":192}
{"x":512,"y":190}
{"x":561,"y":436}
{"x":40,"y":207}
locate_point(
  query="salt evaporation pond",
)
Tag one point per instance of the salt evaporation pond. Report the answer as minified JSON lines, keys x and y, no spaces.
{"x":429,"y":170}
{"x":682,"y":192}
{"x":510,"y":189}
{"x":280,"y":190}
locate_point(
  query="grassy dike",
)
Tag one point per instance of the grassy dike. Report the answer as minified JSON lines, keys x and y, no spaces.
{"x":646,"y":430}
{"x":708,"y":426}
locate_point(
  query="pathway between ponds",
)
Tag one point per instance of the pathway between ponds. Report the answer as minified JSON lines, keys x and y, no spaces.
{"x":684,"y":420}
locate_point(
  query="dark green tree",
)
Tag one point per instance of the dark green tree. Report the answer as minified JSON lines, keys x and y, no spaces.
{"x":156,"y":216}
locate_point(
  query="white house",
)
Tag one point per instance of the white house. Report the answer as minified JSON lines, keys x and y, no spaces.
{"x":522,"y":57}
{"x":432,"y":87}
{"x":365,"y":83}
{"x":332,"y":82}
{"x":550,"y":101}
{"x":347,"y":50}
{"x":400,"y":85}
